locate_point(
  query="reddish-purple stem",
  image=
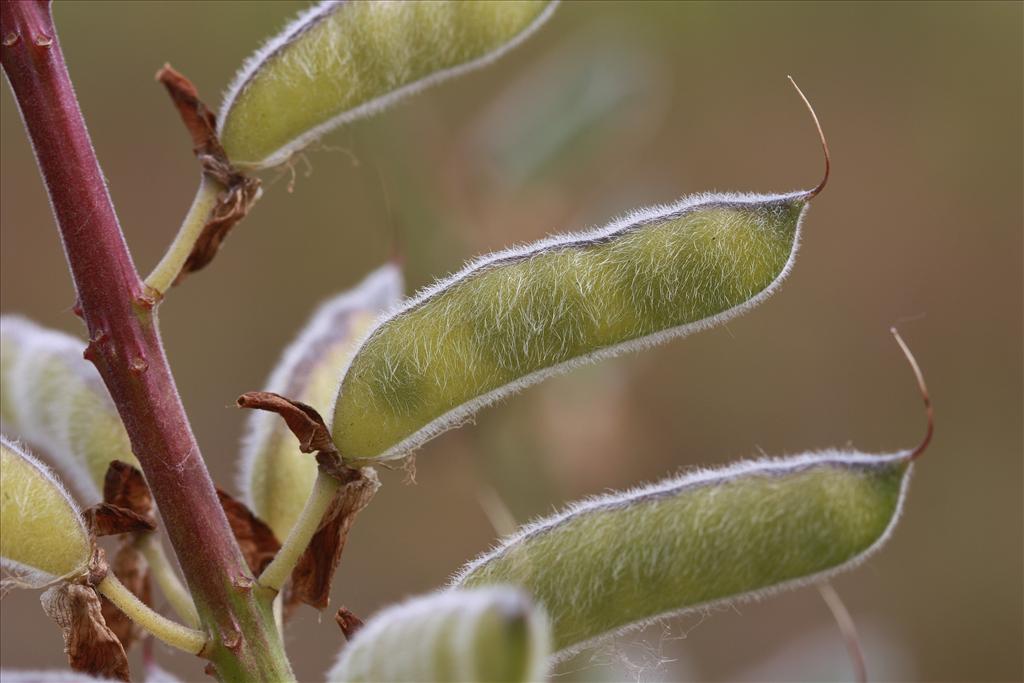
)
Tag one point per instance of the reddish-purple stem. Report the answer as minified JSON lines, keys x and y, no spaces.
{"x":124,"y":340}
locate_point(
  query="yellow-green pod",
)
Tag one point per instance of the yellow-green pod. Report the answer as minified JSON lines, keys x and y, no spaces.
{"x":42,"y":536}
{"x":276,"y":478}
{"x":616,"y":563}
{"x":485,"y":635}
{"x":340,"y":61}
{"x":513,"y":318}
{"x":55,"y":399}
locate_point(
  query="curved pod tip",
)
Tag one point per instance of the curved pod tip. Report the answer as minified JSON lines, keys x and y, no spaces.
{"x":923,"y":388}
{"x":824,"y":143}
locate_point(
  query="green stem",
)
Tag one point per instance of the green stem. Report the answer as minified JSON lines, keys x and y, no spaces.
{"x":278,"y":571}
{"x":171,"y":632}
{"x":163,"y":276}
{"x":166,"y":578}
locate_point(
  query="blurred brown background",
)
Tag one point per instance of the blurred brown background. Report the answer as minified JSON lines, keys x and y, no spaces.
{"x":613,"y":106}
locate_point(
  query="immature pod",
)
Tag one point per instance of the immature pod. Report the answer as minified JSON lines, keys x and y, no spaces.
{"x":55,"y":399}
{"x":275,"y":478}
{"x":490,"y":634}
{"x":42,"y":535}
{"x":340,"y":61}
{"x":50,"y":676}
{"x":513,"y":318}
{"x":616,"y":562}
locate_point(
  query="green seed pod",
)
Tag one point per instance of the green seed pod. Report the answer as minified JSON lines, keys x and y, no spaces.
{"x":492,"y":635}
{"x":275,"y":478}
{"x":340,"y":61}
{"x":615,"y":563}
{"x":55,"y":399}
{"x":516,"y":317}
{"x":42,"y":536}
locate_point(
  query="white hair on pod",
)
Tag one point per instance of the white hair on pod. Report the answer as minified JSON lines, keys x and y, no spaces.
{"x":699,"y":478}
{"x":22,"y":573}
{"x":629,"y":221}
{"x":309,"y":18}
{"x":45,"y":426}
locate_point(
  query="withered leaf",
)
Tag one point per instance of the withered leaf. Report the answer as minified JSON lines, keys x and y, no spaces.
{"x":89,"y":643}
{"x":124,"y":486}
{"x":107,"y":519}
{"x":348,"y":622}
{"x":303,"y":420}
{"x":257,"y":541}
{"x":241,"y":191}
{"x":131,"y":568}
{"x":311,"y":578}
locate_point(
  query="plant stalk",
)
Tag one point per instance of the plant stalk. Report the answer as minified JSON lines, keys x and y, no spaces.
{"x":126,"y":348}
{"x":280,"y":568}
{"x":174,"y":634}
{"x":163,"y":573}
{"x":163,"y":276}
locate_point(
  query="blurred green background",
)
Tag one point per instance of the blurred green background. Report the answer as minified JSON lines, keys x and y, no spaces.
{"x":612,"y":106}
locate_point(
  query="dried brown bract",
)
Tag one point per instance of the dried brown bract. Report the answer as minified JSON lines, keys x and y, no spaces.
{"x":348,"y":622}
{"x":311,"y":578}
{"x":107,"y":519}
{"x":240,"y":191}
{"x":124,"y":486}
{"x":91,"y":646}
{"x":302,"y":419}
{"x":257,"y":541}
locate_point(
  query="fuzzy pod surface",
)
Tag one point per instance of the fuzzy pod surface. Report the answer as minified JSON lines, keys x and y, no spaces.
{"x":340,"y":61}
{"x":276,"y":478}
{"x":617,"y":562}
{"x":42,"y":535}
{"x":492,"y":634}
{"x":50,"y":676}
{"x":511,"y":319}
{"x":56,"y":400}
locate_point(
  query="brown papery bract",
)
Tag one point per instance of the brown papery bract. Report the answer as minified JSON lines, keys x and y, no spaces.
{"x":89,"y":643}
{"x":257,"y":541}
{"x":124,"y":486}
{"x":311,"y":578}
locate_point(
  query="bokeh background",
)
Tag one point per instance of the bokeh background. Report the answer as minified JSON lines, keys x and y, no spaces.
{"x":612,"y":106}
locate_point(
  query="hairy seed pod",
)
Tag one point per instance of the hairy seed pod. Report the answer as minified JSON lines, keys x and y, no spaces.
{"x":615,"y":563}
{"x":55,"y":399}
{"x":275,"y":478}
{"x":43,"y":536}
{"x":340,"y":61}
{"x":490,"y":634}
{"x":50,"y":676}
{"x":513,"y":318}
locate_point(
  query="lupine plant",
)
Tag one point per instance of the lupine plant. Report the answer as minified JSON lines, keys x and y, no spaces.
{"x":371,"y":378}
